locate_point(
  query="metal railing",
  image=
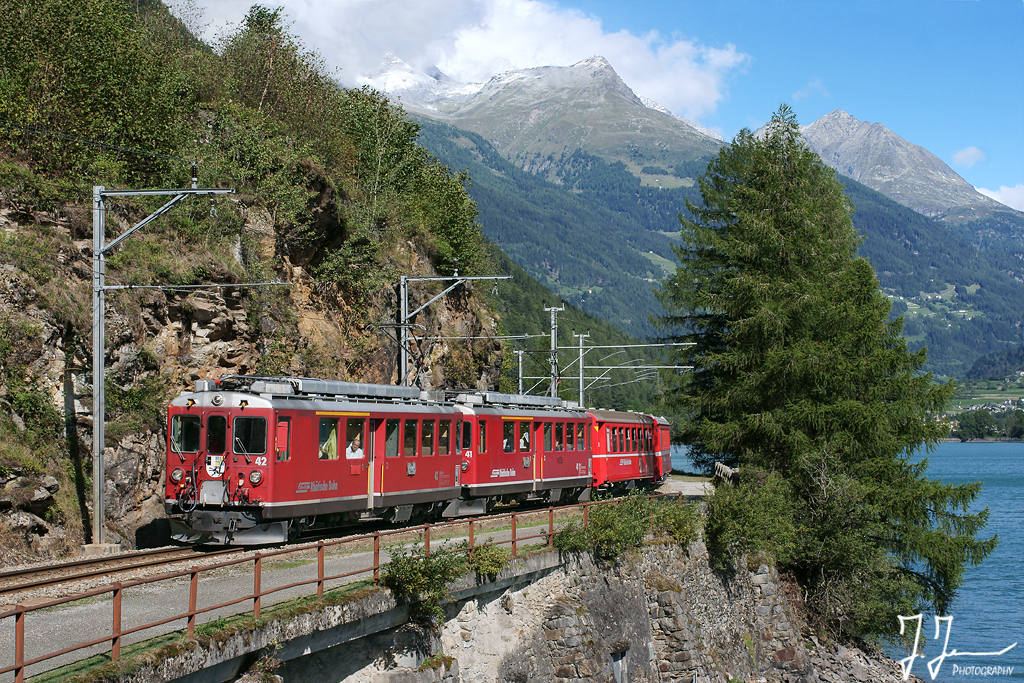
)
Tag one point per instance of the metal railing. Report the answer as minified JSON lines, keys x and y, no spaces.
{"x":116,"y":590}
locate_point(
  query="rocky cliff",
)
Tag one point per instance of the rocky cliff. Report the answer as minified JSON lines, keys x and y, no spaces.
{"x":160,"y":339}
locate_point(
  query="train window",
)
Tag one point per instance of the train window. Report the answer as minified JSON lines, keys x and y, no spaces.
{"x":587,"y":432}
{"x":482,"y":443}
{"x":580,"y":428}
{"x":466,"y":428}
{"x":629,"y":439}
{"x":559,"y":436}
{"x":622,"y":440}
{"x":391,"y":438}
{"x":354,"y":438}
{"x":524,"y":437}
{"x":250,"y":435}
{"x":613,"y":444}
{"x":284,"y":427}
{"x":547,"y":436}
{"x":328,"y":438}
{"x":216,"y":434}
{"x":443,"y":437}
{"x":427,"y":440}
{"x":409,"y":445}
{"x":508,"y":436}
{"x":570,"y":437}
{"x":185,"y":433}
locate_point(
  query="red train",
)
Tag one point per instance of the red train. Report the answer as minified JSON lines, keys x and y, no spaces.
{"x":254,"y":460}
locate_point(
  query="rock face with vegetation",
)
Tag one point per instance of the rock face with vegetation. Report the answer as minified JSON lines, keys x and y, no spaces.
{"x":334,"y":199}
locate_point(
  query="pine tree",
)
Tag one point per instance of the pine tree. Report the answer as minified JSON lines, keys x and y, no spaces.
{"x":799,"y":374}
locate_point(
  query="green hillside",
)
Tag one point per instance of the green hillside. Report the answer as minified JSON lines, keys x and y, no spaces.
{"x":591,"y":253}
{"x":959,"y":300}
{"x":601,"y":239}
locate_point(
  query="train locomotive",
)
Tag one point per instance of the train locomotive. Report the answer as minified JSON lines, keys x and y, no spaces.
{"x":257,"y":460}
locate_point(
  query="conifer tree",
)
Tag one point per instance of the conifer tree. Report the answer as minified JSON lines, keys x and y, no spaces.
{"x":801,"y":380}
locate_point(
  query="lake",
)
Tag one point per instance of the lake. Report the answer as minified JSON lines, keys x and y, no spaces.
{"x":988,"y":614}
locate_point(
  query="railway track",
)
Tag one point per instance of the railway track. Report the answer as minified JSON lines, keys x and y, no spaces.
{"x":22,"y":581}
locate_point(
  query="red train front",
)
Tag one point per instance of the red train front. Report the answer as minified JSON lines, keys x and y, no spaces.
{"x":252,"y":460}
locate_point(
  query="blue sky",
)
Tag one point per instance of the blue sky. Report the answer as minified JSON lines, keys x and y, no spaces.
{"x":944,"y":74}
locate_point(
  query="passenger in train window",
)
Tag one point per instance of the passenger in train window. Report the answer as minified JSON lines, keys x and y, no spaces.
{"x":524,"y":437}
{"x":354,"y":436}
{"x":328,"y":438}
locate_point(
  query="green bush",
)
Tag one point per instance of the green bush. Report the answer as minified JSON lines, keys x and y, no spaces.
{"x":680,"y":521}
{"x":489,"y":560}
{"x":758,"y":516}
{"x":616,"y":527}
{"x":572,"y":539}
{"x":414,"y":574}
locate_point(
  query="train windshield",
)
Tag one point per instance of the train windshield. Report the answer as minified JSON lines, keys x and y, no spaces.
{"x":250,"y":435}
{"x":185,"y":433}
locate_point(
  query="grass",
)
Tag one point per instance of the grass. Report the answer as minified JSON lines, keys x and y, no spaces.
{"x":667,"y":267}
{"x":688,"y":476}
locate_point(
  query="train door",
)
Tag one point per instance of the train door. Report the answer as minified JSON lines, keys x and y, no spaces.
{"x":282,"y":472}
{"x":213,"y":490}
{"x":526,"y":452}
{"x":372,"y":481}
{"x":404,"y":466}
{"x":391,"y":467}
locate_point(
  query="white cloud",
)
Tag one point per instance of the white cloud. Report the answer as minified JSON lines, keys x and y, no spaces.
{"x":1011,"y":196}
{"x":814,"y":88}
{"x":472,"y":40}
{"x":969,"y":156}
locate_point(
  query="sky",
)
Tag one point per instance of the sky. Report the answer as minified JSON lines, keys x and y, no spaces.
{"x":947,"y":75}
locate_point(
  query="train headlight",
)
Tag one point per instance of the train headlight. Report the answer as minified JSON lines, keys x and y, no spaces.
{"x":255,"y":477}
{"x":465,"y":465}
{"x":177,"y":475}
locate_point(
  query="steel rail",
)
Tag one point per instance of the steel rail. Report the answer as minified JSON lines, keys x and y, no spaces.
{"x":100,"y":568}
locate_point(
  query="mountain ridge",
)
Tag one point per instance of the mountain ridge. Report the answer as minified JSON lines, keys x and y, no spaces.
{"x":874,"y":155}
{"x":531,"y":114}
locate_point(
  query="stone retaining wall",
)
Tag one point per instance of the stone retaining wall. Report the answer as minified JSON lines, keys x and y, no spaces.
{"x":663,"y":614}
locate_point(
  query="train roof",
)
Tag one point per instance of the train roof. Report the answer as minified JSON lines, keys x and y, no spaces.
{"x":308,"y":388}
{"x":620,"y":416}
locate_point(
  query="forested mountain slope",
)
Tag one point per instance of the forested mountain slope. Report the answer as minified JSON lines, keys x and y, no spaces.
{"x":579,"y":243}
{"x":602,"y":240}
